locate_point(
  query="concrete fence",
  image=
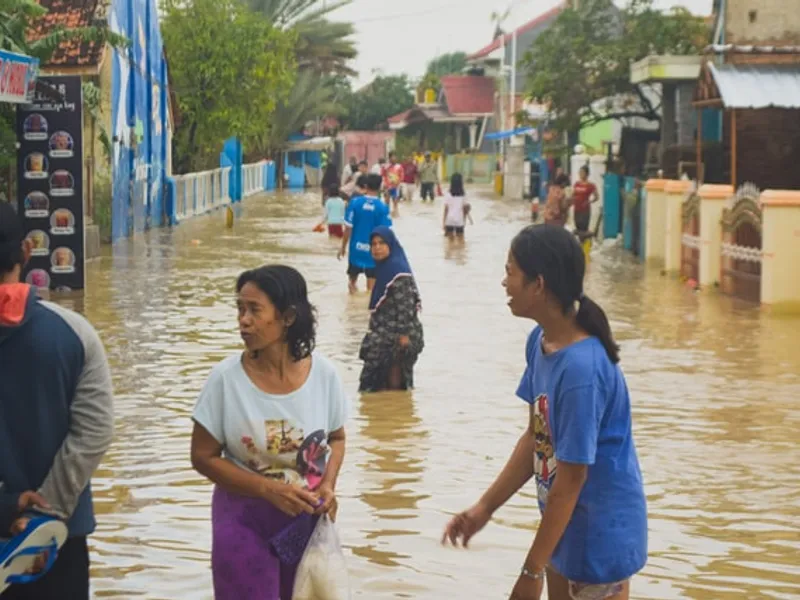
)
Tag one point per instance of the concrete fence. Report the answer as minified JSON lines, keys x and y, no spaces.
{"x":195,"y":194}
{"x":744,"y":242}
{"x":198,"y":193}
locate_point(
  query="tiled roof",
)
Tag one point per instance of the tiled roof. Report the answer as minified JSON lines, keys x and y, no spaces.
{"x":469,"y":94}
{"x":400,"y":117}
{"x":70,"y":14}
{"x":504,"y":39}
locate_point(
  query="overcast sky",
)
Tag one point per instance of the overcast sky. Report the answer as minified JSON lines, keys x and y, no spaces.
{"x":401,"y":37}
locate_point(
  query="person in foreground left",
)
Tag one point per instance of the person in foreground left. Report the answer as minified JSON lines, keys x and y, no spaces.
{"x":56,"y":418}
{"x":269,"y":433}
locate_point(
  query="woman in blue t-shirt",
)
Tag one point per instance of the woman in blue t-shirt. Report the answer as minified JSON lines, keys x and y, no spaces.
{"x":592,"y":537}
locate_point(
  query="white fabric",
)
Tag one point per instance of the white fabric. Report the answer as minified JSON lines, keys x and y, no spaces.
{"x":455,"y":211}
{"x":376,"y":169}
{"x":264,"y":432}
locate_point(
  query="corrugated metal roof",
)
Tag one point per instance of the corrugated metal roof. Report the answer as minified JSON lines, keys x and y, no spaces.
{"x":757,"y":86}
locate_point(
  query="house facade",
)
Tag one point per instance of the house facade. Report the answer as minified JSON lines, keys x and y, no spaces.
{"x":751,"y":74}
{"x":456,"y":121}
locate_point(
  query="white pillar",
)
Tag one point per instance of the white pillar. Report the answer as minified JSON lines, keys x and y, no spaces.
{"x":713,"y":199}
{"x":675,"y":194}
{"x":473,"y":136}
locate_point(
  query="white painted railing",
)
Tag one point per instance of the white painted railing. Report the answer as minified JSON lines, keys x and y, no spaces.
{"x":253,"y":178}
{"x":198,"y":193}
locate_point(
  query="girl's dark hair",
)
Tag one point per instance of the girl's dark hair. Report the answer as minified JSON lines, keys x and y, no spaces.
{"x":11,"y":236}
{"x":286,"y":289}
{"x":333,"y":190}
{"x":457,"y":185}
{"x":555,"y":254}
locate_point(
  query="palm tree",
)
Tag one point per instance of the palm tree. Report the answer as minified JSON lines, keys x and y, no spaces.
{"x":324,"y":49}
{"x":322,"y":45}
{"x":310,"y":97}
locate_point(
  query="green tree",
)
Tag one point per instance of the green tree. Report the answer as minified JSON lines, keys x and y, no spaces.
{"x":309,"y":97}
{"x":230,"y":68}
{"x":324,"y":46}
{"x":587,"y":53}
{"x":324,"y":49}
{"x":447,"y":64}
{"x":370,"y":107}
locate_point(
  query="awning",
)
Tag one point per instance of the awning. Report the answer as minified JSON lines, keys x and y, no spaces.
{"x":315,"y":144}
{"x":751,"y":86}
{"x":18,"y":75}
{"x":501,"y":135}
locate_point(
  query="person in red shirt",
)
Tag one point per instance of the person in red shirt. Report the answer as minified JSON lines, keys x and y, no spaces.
{"x":392,"y":178}
{"x":584,"y":194}
{"x":410,"y":176}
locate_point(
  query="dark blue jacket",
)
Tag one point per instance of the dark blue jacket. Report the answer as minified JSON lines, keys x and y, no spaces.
{"x":56,"y":407}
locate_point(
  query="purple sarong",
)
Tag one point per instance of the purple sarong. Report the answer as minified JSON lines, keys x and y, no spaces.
{"x":255,"y":547}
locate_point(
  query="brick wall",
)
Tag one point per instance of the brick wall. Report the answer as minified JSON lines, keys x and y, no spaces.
{"x":762,"y":22}
{"x":768,"y":145}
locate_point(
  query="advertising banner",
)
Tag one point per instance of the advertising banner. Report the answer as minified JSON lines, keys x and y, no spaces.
{"x":50,"y":184}
{"x":17,"y":77}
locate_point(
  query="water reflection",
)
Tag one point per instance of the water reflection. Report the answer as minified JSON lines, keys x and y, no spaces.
{"x":714,"y":386}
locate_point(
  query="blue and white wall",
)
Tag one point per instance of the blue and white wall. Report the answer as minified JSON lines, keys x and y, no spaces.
{"x":140,"y":119}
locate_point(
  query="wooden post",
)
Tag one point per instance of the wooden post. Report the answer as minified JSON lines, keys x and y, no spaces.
{"x":699,"y":158}
{"x":733,"y":148}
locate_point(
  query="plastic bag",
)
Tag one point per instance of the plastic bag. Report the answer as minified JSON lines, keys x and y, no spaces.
{"x":322,"y":572}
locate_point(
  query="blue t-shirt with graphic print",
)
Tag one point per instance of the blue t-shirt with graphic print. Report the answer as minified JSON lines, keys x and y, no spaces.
{"x":365,"y":213}
{"x":582,"y":415}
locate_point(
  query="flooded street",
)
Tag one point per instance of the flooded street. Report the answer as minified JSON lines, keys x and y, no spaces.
{"x":715,"y":389}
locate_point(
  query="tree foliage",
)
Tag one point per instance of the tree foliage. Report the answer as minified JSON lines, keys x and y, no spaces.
{"x":447,"y":64}
{"x":230,"y":69}
{"x":586,"y":56}
{"x":325,"y":46}
{"x":324,"y":49}
{"x":370,"y":107}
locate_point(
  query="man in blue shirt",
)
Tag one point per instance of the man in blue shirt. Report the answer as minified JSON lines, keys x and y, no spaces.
{"x":364,"y":213}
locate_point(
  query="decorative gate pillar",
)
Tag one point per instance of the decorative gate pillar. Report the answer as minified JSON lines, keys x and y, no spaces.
{"x":712,"y":203}
{"x":780,"y":284}
{"x":675,"y":194}
{"x":656,"y":217}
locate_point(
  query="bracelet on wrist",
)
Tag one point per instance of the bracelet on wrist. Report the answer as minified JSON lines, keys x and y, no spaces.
{"x":536,"y":575}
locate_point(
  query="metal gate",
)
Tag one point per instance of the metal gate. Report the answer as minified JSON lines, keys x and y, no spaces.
{"x":741,"y":245}
{"x":690,"y":241}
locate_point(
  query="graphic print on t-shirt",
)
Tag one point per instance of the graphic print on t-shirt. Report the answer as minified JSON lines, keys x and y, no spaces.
{"x":290,"y":456}
{"x":544,"y":457}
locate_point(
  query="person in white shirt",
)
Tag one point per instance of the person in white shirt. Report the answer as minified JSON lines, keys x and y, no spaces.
{"x":456,"y":208}
{"x":269,"y":432}
{"x":377,"y":168}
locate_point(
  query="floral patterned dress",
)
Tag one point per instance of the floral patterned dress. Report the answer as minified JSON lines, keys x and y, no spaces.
{"x":396,"y":316}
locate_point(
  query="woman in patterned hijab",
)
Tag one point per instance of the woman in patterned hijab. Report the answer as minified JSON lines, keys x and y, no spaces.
{"x":395,"y":338}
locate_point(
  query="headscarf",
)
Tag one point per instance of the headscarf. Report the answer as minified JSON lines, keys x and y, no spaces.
{"x":387,"y":271}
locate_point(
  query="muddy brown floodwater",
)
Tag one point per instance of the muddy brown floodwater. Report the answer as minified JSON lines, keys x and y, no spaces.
{"x":715,"y":388}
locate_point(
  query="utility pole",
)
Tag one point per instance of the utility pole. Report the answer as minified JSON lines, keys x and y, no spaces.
{"x":512,"y":100}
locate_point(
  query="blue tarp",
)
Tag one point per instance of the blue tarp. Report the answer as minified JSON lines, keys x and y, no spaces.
{"x":499,"y":135}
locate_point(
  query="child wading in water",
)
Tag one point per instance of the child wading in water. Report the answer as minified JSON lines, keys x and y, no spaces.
{"x":335,"y":208}
{"x":456,"y":209}
{"x":592,"y":537}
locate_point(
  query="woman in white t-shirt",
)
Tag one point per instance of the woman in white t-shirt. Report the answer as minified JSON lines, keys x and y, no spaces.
{"x":456,"y":208}
{"x":269,"y":433}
